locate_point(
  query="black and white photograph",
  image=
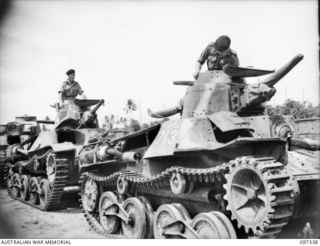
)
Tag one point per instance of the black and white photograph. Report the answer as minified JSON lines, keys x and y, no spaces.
{"x":138,"y":119}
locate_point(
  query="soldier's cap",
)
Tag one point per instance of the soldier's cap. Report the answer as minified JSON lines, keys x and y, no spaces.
{"x":222,"y":43}
{"x":70,"y":71}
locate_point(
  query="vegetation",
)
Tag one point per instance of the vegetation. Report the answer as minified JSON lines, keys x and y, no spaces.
{"x":299,"y":110}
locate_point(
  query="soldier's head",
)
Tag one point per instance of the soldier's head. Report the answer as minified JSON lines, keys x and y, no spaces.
{"x":222,"y":43}
{"x":71,"y":73}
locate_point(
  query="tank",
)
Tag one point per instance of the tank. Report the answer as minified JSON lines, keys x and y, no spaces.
{"x":42,"y":165}
{"x":3,"y":146}
{"x":308,"y":128}
{"x":220,"y":170}
{"x":12,"y":135}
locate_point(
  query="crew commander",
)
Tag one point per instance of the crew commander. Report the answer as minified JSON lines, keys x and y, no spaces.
{"x":70,"y":88}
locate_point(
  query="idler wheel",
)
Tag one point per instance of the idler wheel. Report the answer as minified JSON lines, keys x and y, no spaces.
{"x":178,"y":183}
{"x":149,"y":216}
{"x":208,"y":226}
{"x":90,"y":196}
{"x":165,"y":215}
{"x":34,"y":191}
{"x":136,"y":228}
{"x":122,"y":185}
{"x":44,"y":192}
{"x":16,"y":185}
{"x":109,"y":223}
{"x":25,"y":192}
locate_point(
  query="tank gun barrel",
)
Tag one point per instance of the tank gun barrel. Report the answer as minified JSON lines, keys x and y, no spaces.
{"x":45,"y":121}
{"x":281,"y":72}
{"x":305,"y":143}
{"x":86,"y":119}
{"x":95,"y":109}
{"x":188,"y":83}
{"x":165,"y":113}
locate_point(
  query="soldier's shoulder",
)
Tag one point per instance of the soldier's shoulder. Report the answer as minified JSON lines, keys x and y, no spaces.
{"x":233,"y":52}
{"x":76,"y":83}
{"x":211,"y":45}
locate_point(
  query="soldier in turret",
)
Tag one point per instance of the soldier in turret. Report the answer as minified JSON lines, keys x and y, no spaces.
{"x":70,"y":89}
{"x":217,"y":55}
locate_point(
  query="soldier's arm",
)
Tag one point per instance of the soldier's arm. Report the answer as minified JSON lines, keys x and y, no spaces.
{"x":60,"y":98}
{"x":203,"y":57}
{"x":197,"y":69}
{"x":83,"y":96}
{"x":81,"y":92}
{"x":235,"y":59}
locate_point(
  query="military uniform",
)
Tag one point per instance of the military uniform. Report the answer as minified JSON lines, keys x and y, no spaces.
{"x":70,"y":90}
{"x":217,"y":59}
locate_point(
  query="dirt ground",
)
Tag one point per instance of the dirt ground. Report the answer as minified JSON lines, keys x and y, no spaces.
{"x":18,"y":220}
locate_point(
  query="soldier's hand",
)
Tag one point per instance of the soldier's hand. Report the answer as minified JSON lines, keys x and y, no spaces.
{"x":196,"y":75}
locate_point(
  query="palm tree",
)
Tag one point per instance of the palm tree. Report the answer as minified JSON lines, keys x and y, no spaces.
{"x":109,"y":121}
{"x":130,"y":107}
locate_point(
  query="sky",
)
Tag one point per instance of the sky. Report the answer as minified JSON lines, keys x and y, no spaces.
{"x":135,"y":49}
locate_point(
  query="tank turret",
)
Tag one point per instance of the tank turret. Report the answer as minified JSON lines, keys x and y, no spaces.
{"x":77,"y":114}
{"x":226,"y":90}
{"x":216,"y":91}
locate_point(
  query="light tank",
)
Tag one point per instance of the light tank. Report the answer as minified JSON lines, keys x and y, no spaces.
{"x":219,"y":171}
{"x":3,"y":146}
{"x":41,"y":166}
{"x":12,"y":135}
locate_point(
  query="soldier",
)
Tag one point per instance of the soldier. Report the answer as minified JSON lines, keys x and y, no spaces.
{"x":70,"y":88}
{"x":217,"y":55}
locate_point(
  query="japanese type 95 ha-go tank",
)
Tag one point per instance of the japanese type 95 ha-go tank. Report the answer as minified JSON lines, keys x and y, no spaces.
{"x":3,"y":146}
{"x":43,"y":165}
{"x":220,"y":171}
{"x":14,"y":133}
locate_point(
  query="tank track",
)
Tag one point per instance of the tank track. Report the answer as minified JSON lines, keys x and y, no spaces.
{"x":3,"y":167}
{"x":215,"y":175}
{"x":56,"y":189}
{"x":2,"y":175}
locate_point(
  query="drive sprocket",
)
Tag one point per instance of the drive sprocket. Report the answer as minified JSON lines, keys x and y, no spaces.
{"x":260,"y":195}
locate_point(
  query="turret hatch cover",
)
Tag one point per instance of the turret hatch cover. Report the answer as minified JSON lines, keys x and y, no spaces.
{"x":244,"y":72}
